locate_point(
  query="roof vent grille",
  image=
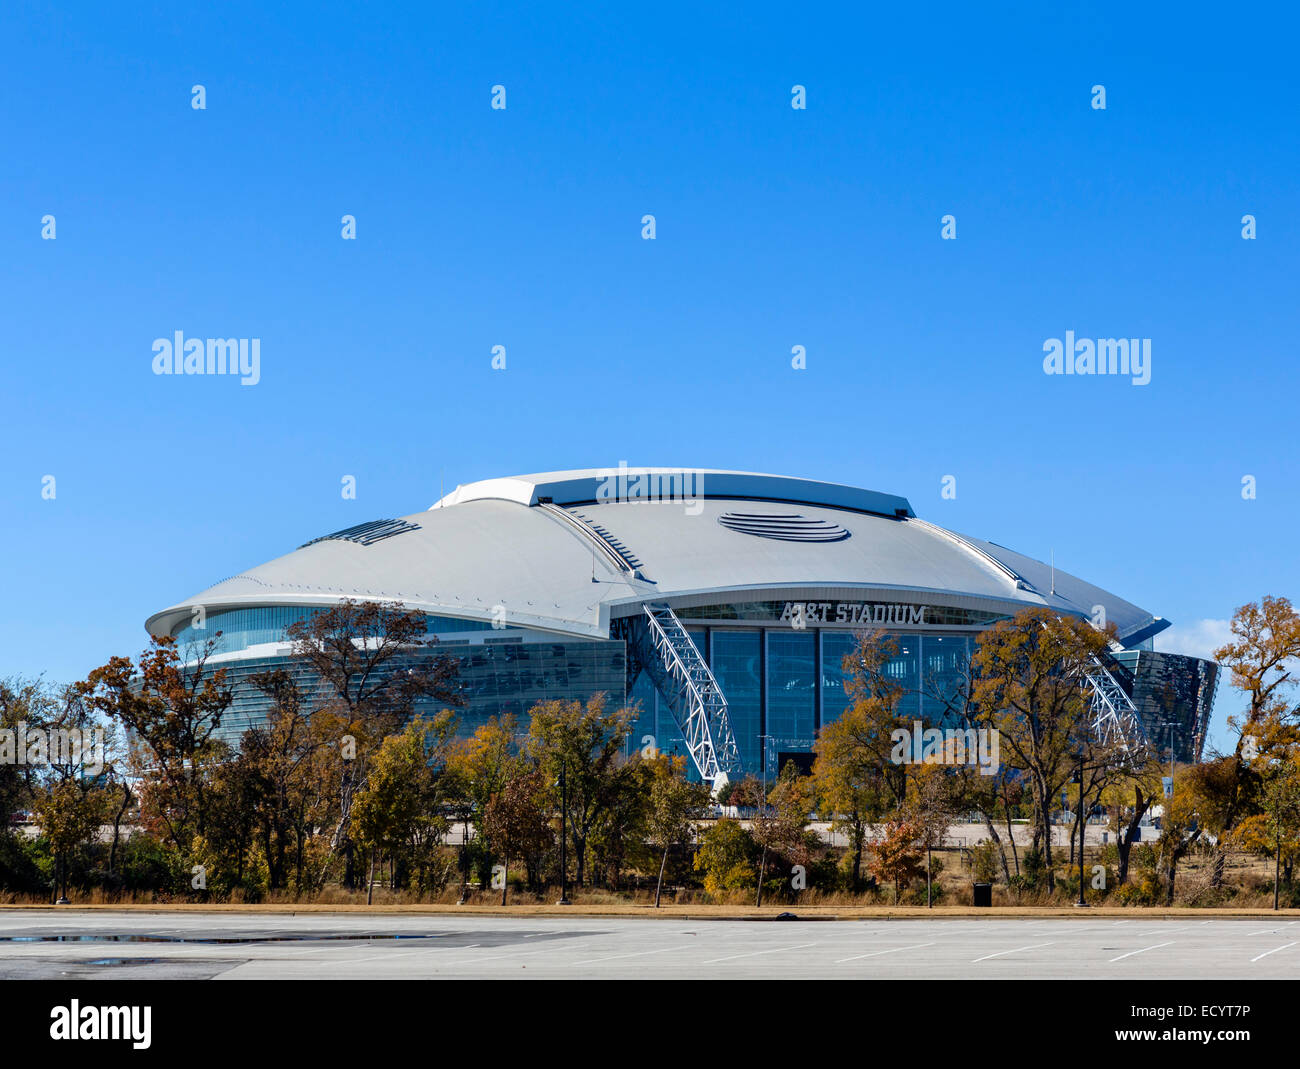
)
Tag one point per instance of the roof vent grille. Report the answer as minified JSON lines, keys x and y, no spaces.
{"x":365,"y":534}
{"x":786,"y":527}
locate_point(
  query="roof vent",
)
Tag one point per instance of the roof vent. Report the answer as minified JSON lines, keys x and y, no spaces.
{"x":787,"y":527}
{"x":365,"y":534}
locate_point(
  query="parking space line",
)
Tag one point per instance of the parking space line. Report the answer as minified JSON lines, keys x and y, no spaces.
{"x":756,"y":953}
{"x":1142,"y":951}
{"x":498,"y":957}
{"x":1273,"y":951}
{"x":1015,"y":950}
{"x":876,"y":953}
{"x":634,"y":954}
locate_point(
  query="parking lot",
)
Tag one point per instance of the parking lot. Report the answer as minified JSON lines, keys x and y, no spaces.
{"x":103,"y":944}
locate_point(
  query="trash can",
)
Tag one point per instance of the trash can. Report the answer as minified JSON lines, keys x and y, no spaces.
{"x":983,"y":894}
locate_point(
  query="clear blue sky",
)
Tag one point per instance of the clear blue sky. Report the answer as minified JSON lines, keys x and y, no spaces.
{"x":775,"y":227}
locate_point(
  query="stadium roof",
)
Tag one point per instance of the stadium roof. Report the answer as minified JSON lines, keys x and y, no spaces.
{"x":568,"y":551}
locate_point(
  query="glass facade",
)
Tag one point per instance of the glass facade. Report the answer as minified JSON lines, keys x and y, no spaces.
{"x":791,"y":691}
{"x":736,"y":659}
{"x":1174,"y":696}
{"x":495,"y":679}
{"x":241,"y":628}
{"x":781,"y":683}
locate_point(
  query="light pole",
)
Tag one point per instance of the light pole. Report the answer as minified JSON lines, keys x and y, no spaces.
{"x":763,"y":764}
{"x":564,"y":836}
{"x":1170,"y":724}
{"x":1277,"y":854}
{"x":1083,"y":832}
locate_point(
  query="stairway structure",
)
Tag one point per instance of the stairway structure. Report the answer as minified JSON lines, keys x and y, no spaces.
{"x":1115,"y":719}
{"x":659,"y":645}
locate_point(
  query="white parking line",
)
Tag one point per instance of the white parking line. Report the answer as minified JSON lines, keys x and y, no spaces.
{"x":756,"y":953}
{"x":1142,"y":951}
{"x":498,"y":957}
{"x":876,"y":953}
{"x":405,"y":954}
{"x":634,"y":954}
{"x":1164,"y":931}
{"x":1015,"y":950}
{"x":1273,"y":951}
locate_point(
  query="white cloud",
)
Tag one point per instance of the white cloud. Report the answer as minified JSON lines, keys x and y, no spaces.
{"x":1199,"y":639}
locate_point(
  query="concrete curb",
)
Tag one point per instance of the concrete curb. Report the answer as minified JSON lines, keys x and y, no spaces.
{"x":695,"y":912}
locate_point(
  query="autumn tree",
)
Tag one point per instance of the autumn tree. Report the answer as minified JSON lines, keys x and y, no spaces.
{"x":1028,"y":684}
{"x":675,"y":805}
{"x":848,"y":776}
{"x":1260,"y":658}
{"x":171,"y":710}
{"x":288,"y":762}
{"x":1275,"y":830}
{"x":620,"y":824}
{"x":398,"y":809}
{"x":780,"y":818}
{"x":373,"y":663}
{"x":1128,"y":794}
{"x":478,"y":769}
{"x":895,"y":857}
{"x":583,"y":743}
{"x":517,"y":822}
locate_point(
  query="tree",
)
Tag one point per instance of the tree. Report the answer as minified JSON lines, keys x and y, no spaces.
{"x":620,"y":824}
{"x":848,"y":776}
{"x":71,"y":799}
{"x":896,"y":858}
{"x":1141,"y":781}
{"x":929,"y":808}
{"x":585,"y":744}
{"x":398,"y":808}
{"x":288,"y":764}
{"x":779,"y":819}
{"x":675,"y":806}
{"x":172,"y":710}
{"x":517,"y":822}
{"x":70,"y":814}
{"x":1027,"y":684}
{"x":726,"y":855}
{"x":478,"y":768}
{"x":365,"y":656}
{"x":1275,"y":830}
{"x":1260,"y":659}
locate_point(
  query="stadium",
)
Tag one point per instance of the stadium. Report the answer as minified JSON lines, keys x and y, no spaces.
{"x":721,"y":602}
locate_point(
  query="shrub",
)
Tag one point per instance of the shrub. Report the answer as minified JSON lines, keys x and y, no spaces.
{"x":727,"y":855}
{"x":985,"y":861}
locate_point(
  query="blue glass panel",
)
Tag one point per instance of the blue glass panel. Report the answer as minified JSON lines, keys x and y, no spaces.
{"x":735,"y":663}
{"x":791,"y":691}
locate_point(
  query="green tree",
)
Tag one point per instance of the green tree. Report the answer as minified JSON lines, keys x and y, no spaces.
{"x":583,"y":743}
{"x":726,"y":856}
{"x":676,"y":805}
{"x":398,"y":809}
{"x":478,"y":769}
